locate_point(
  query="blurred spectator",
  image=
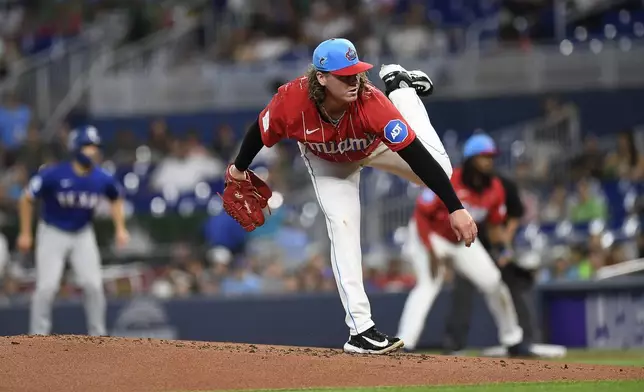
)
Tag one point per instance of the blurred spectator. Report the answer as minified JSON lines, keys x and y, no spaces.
{"x":14,"y":181}
{"x":292,"y":240}
{"x":221,"y":230}
{"x":315,"y":277}
{"x":183,"y":169}
{"x":577,"y":266}
{"x":33,"y":152}
{"x":242,"y":280}
{"x":274,"y":278}
{"x":123,"y":150}
{"x":590,"y":161}
{"x":15,"y":118}
{"x":183,"y":271}
{"x":327,"y":19}
{"x":531,"y":205}
{"x":555,"y":208}
{"x":617,"y":254}
{"x":626,"y":162}
{"x":415,"y":38}
{"x":395,"y":279}
{"x":225,"y":143}
{"x":586,"y":205}
{"x":158,"y":139}
{"x":193,"y":145}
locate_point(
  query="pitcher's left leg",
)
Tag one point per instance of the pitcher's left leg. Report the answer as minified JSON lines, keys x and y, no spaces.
{"x":406,"y":100}
{"x":412,"y":109}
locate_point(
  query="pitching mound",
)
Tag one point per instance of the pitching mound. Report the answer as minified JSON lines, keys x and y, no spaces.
{"x":81,"y":363}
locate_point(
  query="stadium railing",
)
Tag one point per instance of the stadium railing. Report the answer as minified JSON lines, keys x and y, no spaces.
{"x":548,"y":143}
{"x":204,"y":86}
{"x":152,"y":49}
{"x":44,"y":78}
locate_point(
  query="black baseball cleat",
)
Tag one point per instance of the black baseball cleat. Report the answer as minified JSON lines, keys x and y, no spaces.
{"x":421,"y":82}
{"x":395,"y":76}
{"x":372,"y":341}
{"x":521,"y":350}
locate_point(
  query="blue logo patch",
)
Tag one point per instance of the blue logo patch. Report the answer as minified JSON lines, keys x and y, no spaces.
{"x":396,"y":131}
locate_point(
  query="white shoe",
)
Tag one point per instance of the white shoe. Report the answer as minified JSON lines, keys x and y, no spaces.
{"x":421,"y":82}
{"x":387,"y":69}
{"x":395,"y":76}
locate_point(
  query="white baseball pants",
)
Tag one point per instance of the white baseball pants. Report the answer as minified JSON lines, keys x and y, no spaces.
{"x":52,"y":247}
{"x":475,"y":264}
{"x":337,"y":191}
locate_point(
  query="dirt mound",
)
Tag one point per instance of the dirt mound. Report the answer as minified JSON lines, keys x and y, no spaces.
{"x":81,"y":363}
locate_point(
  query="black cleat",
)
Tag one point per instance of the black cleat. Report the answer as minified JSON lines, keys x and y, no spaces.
{"x":372,"y":341}
{"x":521,"y":350}
{"x":394,"y":76}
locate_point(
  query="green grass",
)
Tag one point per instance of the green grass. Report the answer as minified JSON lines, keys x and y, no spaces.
{"x":598,"y":357}
{"x":593,"y":357}
{"x":605,"y":357}
{"x":586,"y":386}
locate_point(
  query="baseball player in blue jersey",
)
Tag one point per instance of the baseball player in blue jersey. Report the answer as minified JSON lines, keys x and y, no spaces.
{"x":69,"y":192}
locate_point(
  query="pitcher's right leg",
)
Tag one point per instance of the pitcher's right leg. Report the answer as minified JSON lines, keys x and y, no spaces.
{"x":337,"y":191}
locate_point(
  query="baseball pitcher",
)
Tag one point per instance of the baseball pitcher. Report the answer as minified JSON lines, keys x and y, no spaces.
{"x":69,"y":192}
{"x":429,"y":236}
{"x":343,"y":123}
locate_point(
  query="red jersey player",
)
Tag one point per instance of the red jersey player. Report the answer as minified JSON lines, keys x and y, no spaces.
{"x":430,"y":236}
{"x":343,"y":123}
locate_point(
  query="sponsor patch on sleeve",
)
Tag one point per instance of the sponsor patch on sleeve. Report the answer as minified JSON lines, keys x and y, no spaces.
{"x":396,"y":131}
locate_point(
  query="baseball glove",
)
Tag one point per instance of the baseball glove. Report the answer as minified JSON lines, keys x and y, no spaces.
{"x":244,"y":199}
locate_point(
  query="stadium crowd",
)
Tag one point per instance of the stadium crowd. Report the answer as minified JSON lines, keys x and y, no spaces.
{"x":225,"y":260}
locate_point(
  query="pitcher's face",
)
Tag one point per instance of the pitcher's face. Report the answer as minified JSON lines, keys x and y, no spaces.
{"x":341,"y":88}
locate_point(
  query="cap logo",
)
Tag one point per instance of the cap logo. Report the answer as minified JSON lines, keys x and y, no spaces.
{"x":322,"y":60}
{"x":351,"y":54}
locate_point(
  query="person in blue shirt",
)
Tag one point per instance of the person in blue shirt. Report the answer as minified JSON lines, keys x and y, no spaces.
{"x":14,"y":121}
{"x":69,"y":192}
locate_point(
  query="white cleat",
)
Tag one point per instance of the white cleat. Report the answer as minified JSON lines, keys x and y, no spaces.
{"x":395,"y":76}
{"x":387,"y":69}
{"x":421,"y":82}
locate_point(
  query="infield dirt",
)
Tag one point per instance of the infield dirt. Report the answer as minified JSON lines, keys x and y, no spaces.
{"x":89,"y":364}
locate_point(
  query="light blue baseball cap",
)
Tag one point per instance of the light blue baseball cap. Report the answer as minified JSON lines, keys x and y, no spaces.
{"x":339,"y":57}
{"x":479,"y":144}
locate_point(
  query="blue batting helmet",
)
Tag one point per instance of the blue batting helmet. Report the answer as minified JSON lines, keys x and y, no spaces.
{"x":80,"y":137}
{"x":83,"y":136}
{"x":479,"y":144}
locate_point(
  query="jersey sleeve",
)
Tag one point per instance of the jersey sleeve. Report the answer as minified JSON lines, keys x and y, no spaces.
{"x":39,"y":183}
{"x":387,"y":122}
{"x":113,"y":189}
{"x":272,"y":120}
{"x":498,"y":210}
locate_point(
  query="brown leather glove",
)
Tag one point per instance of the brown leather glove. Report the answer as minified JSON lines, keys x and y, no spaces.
{"x":244,"y":199}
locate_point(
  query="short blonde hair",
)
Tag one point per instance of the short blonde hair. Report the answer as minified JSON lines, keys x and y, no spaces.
{"x":317,"y":92}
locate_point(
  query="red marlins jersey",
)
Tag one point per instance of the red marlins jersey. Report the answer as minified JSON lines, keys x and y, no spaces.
{"x":432,"y":216}
{"x":369,"y":120}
